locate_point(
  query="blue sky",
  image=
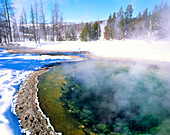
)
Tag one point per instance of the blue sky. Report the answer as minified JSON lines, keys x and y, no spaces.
{"x":88,"y":10}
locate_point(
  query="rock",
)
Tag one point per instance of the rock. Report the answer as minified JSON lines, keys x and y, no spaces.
{"x":28,"y":111}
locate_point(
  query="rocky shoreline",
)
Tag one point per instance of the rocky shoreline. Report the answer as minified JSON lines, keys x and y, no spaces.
{"x":31,"y":118}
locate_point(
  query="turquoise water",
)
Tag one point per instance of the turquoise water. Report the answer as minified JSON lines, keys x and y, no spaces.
{"x":106,"y":97}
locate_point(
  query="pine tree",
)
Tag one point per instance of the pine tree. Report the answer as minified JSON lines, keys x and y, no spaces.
{"x":128,"y":14}
{"x":128,"y":20}
{"x":94,"y":31}
{"x":72,"y":34}
{"x":121,"y":27}
{"x":155,"y":18}
{"x":67,"y":34}
{"x":107,"y":33}
{"x":145,"y":14}
{"x":120,"y":24}
{"x":86,"y":33}
{"x":113,"y":26}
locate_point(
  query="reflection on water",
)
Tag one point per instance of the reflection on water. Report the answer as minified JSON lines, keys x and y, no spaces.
{"x":106,"y":98}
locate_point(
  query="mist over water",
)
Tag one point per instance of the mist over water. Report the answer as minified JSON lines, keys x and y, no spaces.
{"x":129,"y":94}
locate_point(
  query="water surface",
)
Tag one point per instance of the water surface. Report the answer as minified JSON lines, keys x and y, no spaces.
{"x":107,"y":97}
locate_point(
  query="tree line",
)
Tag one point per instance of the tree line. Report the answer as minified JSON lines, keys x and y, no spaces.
{"x":38,"y":28}
{"x":6,"y":17}
{"x":122,"y":24}
{"x":91,"y":32}
{"x":33,"y":26}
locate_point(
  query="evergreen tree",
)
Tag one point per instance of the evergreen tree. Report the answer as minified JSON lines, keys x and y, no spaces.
{"x":67,"y":35}
{"x":73,"y":34}
{"x":121,"y":27}
{"x":128,"y":20}
{"x":86,"y":33}
{"x":155,"y":18}
{"x":120,"y":24}
{"x":106,"y":35}
{"x":108,"y":28}
{"x":113,"y":25}
{"x":128,"y":14}
{"x":95,"y":32}
{"x":145,"y":14}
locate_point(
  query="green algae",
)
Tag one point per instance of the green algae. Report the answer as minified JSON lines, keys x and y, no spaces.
{"x":49,"y":97}
{"x":144,"y":91}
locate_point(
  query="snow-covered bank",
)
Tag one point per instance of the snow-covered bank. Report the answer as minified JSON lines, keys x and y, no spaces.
{"x":131,"y":49}
{"x":14,"y":68}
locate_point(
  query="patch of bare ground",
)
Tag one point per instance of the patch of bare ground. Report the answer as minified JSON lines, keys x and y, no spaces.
{"x":27,"y":108}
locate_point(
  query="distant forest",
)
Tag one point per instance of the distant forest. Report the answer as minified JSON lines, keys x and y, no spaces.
{"x":33,"y":26}
{"x":146,"y":25}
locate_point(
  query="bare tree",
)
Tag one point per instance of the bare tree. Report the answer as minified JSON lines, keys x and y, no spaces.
{"x":6,"y":34}
{"x":53,"y":25}
{"x":15,"y":30}
{"x":37,"y":20}
{"x":23,"y":24}
{"x":8,"y":19}
{"x":43,"y":24}
{"x":33,"y":24}
{"x":3,"y":25}
{"x":60,"y":34}
{"x":56,"y":12}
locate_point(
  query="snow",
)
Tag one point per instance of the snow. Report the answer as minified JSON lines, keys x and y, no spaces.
{"x":14,"y":68}
{"x":130,"y":49}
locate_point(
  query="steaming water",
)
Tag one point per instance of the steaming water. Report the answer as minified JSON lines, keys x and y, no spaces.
{"x":49,"y":98}
{"x":132,"y":94}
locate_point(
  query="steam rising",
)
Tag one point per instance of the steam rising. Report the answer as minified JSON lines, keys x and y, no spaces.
{"x":125,"y":93}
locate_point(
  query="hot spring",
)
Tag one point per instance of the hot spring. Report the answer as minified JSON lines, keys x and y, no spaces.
{"x":107,"y":97}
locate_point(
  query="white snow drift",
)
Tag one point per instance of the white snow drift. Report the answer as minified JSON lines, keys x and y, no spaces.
{"x":13,"y":70}
{"x":130,"y":49}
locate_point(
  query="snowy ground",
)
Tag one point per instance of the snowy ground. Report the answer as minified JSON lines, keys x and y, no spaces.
{"x":15,"y":67}
{"x":130,"y":49}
